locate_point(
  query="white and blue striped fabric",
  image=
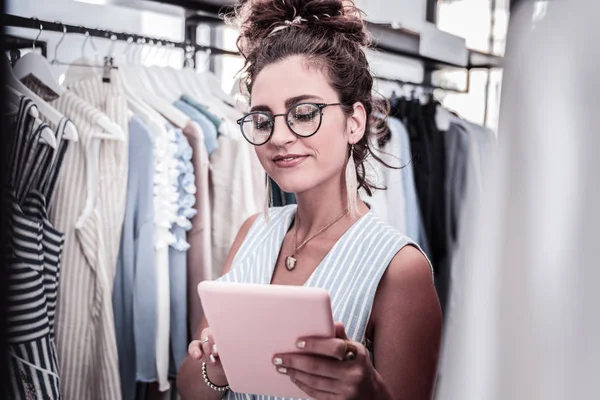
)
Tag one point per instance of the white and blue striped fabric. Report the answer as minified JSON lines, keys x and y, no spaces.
{"x":351,"y":271}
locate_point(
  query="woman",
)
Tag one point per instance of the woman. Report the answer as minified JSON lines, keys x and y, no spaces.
{"x":310,"y":120}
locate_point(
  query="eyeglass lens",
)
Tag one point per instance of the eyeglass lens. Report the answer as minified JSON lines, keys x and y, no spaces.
{"x":303,"y":120}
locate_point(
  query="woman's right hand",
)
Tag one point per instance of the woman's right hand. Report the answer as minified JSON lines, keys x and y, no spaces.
{"x":206,"y":349}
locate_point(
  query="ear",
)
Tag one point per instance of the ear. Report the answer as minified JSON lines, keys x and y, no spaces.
{"x":357,"y":123}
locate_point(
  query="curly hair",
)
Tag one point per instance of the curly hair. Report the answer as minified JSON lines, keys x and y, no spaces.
{"x":328,"y":34}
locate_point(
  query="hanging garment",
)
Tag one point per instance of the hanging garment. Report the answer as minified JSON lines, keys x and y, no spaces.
{"x":393,"y":198}
{"x":413,"y":212}
{"x":134,"y":305}
{"x":165,"y":208}
{"x":368,"y":242}
{"x":186,"y":190}
{"x":429,"y":161}
{"x":455,"y":196}
{"x":212,"y":117}
{"x":237,"y":191}
{"x":209,"y":130}
{"x":85,"y":333}
{"x":199,"y":255}
{"x":34,"y":249}
{"x":164,"y":211}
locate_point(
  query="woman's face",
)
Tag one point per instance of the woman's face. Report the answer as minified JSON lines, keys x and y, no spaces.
{"x":317,"y":159}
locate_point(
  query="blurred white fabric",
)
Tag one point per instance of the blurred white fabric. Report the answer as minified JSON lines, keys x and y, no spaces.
{"x":524,"y":320}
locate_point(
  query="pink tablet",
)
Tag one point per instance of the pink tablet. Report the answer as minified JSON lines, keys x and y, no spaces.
{"x":251,"y":323}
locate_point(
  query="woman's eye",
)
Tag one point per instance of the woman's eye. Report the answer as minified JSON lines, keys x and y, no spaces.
{"x":305,"y":117}
{"x":305,"y":113}
{"x":262,"y":125}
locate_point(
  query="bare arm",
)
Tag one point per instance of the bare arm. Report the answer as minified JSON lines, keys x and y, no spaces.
{"x":407,"y":327}
{"x":189,"y":379}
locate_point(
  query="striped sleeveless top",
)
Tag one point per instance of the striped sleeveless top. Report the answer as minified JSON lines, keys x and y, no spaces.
{"x":351,"y":271}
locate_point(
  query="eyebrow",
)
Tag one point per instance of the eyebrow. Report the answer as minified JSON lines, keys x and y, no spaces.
{"x":288,"y":103}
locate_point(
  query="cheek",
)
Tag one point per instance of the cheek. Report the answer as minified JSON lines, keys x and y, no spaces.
{"x":261,"y":153}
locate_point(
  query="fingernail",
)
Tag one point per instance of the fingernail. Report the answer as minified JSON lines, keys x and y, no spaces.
{"x":277,"y":361}
{"x":301,"y":344}
{"x":213,"y":359}
{"x":282,"y":370}
{"x":215,"y":348}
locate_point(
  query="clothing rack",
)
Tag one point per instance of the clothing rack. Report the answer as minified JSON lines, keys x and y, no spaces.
{"x":189,"y":47}
{"x":423,"y":85}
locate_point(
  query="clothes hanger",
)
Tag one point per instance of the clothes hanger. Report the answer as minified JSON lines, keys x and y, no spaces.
{"x":14,"y":97}
{"x":82,"y":69}
{"x":162,"y":80}
{"x":36,"y":65}
{"x":47,"y":135}
{"x":213,"y":85}
{"x":179,"y":86}
{"x":136,"y":104}
{"x":53,"y":115}
{"x":142,"y":87}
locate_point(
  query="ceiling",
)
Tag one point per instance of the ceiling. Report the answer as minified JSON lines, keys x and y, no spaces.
{"x":211,"y":6}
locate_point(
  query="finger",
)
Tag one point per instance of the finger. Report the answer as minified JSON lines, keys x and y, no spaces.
{"x":207,"y":349}
{"x":195,"y":350}
{"x":314,"y":393}
{"x":315,"y":365}
{"x":334,"y":348}
{"x":340,"y":331}
{"x":316,"y":382}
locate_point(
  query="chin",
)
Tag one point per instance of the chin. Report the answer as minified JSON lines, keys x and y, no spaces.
{"x":293,"y":184}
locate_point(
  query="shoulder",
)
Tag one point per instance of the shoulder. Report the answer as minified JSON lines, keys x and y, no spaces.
{"x":407,"y":288}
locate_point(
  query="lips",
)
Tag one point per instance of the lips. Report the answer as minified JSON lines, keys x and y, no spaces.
{"x":287,"y":157}
{"x":288,"y":160}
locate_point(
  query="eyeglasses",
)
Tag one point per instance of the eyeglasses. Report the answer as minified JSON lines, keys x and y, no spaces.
{"x":303,"y":119}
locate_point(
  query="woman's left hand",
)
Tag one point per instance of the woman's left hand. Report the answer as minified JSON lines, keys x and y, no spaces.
{"x":326,"y":370}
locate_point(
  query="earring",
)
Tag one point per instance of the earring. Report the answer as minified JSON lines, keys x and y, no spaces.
{"x":351,"y":184}
{"x":268,"y":197}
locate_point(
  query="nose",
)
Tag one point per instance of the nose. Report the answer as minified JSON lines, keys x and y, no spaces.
{"x":282,"y":135}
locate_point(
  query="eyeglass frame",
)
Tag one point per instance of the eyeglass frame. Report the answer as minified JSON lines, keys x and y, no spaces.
{"x":320,"y":106}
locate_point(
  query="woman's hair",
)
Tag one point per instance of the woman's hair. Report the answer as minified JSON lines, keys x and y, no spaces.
{"x":330,"y":35}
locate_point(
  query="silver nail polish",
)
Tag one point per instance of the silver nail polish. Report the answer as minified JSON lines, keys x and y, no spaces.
{"x":277,"y":361}
{"x":282,"y":370}
{"x":301,"y":344}
{"x":214,"y":349}
{"x":213,"y":359}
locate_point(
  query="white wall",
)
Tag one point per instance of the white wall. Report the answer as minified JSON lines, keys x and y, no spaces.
{"x":410,"y":14}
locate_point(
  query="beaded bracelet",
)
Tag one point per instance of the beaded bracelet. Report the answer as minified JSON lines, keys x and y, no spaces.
{"x":209,"y":383}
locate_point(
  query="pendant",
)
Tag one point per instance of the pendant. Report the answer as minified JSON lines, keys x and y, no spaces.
{"x":290,"y":263}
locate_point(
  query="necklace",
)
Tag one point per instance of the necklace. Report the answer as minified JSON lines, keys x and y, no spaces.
{"x":290,"y":261}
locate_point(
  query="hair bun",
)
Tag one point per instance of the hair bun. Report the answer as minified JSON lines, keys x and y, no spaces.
{"x":261,"y":19}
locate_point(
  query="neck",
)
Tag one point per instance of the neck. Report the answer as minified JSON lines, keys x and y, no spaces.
{"x":318,"y":206}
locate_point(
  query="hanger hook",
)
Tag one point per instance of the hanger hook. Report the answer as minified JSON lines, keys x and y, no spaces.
{"x":141,"y":42}
{"x":91,"y":40}
{"x":158,"y":48}
{"x":113,"y":40}
{"x":150,"y":51}
{"x":87,"y":36}
{"x":64,"y":29}
{"x":169,"y":52}
{"x":129,"y":41}
{"x":39,"y":33}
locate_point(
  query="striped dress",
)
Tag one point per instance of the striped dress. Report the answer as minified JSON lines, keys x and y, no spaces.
{"x":351,"y":271}
{"x":34,"y":265}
